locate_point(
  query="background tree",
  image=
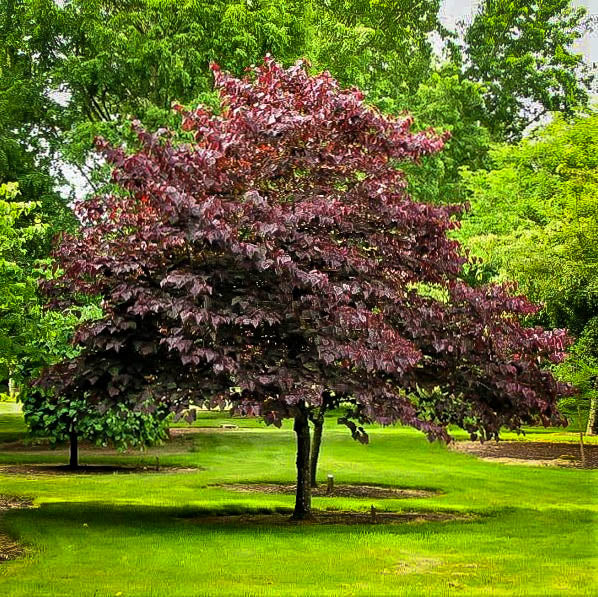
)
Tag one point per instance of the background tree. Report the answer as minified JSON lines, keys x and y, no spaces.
{"x":451,"y":103}
{"x":76,"y":69}
{"x":581,"y":369}
{"x":21,"y":318}
{"x":522,"y":52}
{"x":534,"y":219}
{"x":82,"y":67}
{"x":71,"y":420}
{"x":277,"y":261}
{"x":384,"y":47}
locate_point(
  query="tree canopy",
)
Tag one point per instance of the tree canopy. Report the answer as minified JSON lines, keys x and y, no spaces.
{"x":79,"y":68}
{"x":523,"y":53}
{"x":275,"y":260}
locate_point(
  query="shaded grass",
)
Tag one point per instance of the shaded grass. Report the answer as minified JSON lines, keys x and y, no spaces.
{"x":84,"y":548}
{"x":535,"y":531}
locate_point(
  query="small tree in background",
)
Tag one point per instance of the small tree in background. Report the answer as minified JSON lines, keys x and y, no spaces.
{"x":71,"y":420}
{"x":276,"y":261}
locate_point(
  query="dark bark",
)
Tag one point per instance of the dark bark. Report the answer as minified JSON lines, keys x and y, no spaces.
{"x":74,"y":450}
{"x":303,"y":494}
{"x":315,"y":449}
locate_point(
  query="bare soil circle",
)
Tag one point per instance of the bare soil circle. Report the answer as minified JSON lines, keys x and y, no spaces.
{"x":532,"y":453}
{"x":91,"y":469}
{"x":9,"y":548}
{"x":329,"y":517}
{"x":348,"y":491}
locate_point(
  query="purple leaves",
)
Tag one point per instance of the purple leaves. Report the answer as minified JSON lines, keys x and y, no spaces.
{"x":280,"y":255}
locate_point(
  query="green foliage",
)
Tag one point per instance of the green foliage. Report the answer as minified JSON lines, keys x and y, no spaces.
{"x":581,"y":369}
{"x":121,"y":425}
{"x":522,"y":52}
{"x":30,"y":336}
{"x":534,"y":219}
{"x":384,"y":48}
{"x":448,"y":102}
{"x":381,"y":46}
{"x":106,"y":61}
{"x":72,"y":70}
{"x":18,"y":297}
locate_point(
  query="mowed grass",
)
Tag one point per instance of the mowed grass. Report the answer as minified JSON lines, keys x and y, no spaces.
{"x":531,"y":530}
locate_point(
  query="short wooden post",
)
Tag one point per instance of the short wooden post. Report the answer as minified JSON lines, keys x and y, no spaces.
{"x":373,"y":513}
{"x":330,"y":486}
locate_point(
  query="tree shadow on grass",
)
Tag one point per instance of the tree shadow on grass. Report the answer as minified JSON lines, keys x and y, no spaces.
{"x":111,"y":528}
{"x":228,"y":518}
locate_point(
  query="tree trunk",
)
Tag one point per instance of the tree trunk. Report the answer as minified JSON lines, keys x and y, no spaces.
{"x":74,"y":450}
{"x":315,"y":449}
{"x":592,"y":428}
{"x":303,"y":494}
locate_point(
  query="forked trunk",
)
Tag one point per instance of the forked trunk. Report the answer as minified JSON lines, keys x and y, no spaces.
{"x":303,"y":494}
{"x":315,"y":449}
{"x":74,"y":450}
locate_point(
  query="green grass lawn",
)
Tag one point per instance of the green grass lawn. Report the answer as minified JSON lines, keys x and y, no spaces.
{"x":533,"y":533}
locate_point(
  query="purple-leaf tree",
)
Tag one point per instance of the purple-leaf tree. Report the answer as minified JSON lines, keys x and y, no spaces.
{"x":276,"y":263}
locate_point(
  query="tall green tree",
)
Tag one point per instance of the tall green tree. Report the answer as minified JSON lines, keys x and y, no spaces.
{"x":382,"y":46}
{"x":534,"y":219}
{"x":523,"y":52}
{"x":79,"y":68}
{"x":448,"y":102}
{"x":86,"y":65}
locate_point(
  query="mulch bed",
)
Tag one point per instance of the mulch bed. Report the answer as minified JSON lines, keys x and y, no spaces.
{"x":329,"y":517}
{"x":349,"y":491}
{"x":90,"y":469}
{"x":532,"y":453}
{"x":9,"y":548}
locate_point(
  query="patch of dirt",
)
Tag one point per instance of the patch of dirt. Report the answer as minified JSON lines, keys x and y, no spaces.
{"x":9,"y":548}
{"x":532,"y":453}
{"x":349,"y":491}
{"x":90,"y":469}
{"x":414,"y":566}
{"x":324,"y":517}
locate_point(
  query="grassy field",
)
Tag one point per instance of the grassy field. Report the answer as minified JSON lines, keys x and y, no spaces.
{"x":532,"y":530}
